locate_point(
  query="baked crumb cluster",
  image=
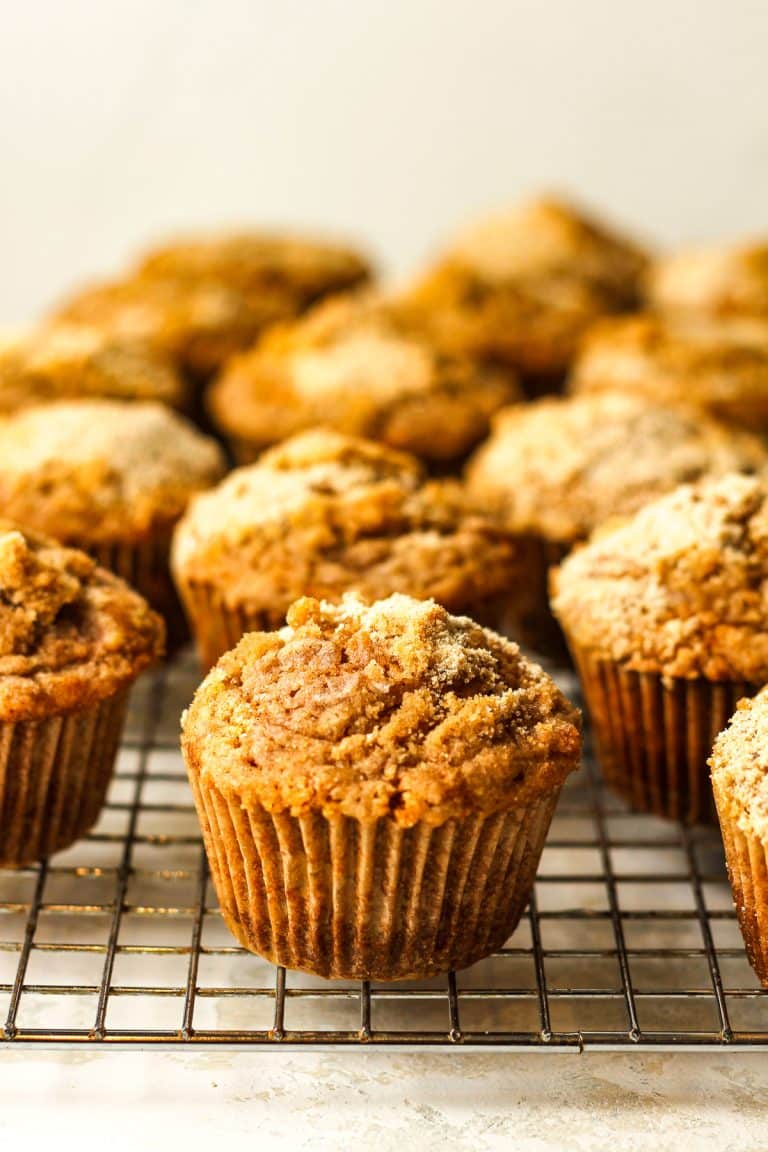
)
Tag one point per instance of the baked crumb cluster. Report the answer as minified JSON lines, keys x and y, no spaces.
{"x":70,"y":633}
{"x":71,"y":360}
{"x":324,"y":513}
{"x":681,"y":589}
{"x":99,"y":469}
{"x":739,"y":766}
{"x":391,"y":710}
{"x":561,"y":467}
{"x":369,"y":366}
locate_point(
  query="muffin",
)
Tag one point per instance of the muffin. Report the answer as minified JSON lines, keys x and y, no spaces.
{"x":73,"y":638}
{"x":556,"y":469}
{"x":667,"y":620}
{"x":374,"y":785}
{"x":324,"y":514}
{"x":718,"y":365}
{"x":368,"y":366}
{"x":75,"y":361}
{"x":525,"y":284}
{"x":200,"y":300}
{"x":720,"y":281}
{"x":739,"y":764}
{"x":109,"y":478}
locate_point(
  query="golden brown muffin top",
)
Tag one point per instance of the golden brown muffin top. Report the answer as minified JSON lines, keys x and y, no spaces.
{"x":525,"y":285}
{"x":255,"y":260}
{"x":739,"y":764}
{"x":681,"y":589}
{"x":717,"y":364}
{"x":76,"y":360}
{"x":71,"y":634}
{"x":721,"y":280}
{"x":547,"y":239}
{"x":203,"y":299}
{"x":99,"y":470}
{"x":395,"y":710}
{"x":368,"y":366}
{"x":326,"y":513}
{"x":560,"y":467}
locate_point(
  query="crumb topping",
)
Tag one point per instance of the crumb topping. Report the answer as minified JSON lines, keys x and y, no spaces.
{"x":739,"y":766}
{"x":61,"y":360}
{"x":394,"y":709}
{"x":718,"y":364}
{"x":368,"y":366}
{"x":325,"y":513}
{"x":90,"y":469}
{"x":561,"y":467}
{"x":681,"y":588}
{"x":70,"y":632}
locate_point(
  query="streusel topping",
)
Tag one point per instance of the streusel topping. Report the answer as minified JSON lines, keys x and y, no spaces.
{"x":559,"y":468}
{"x":721,"y":280}
{"x":681,"y":588}
{"x":395,"y":710}
{"x":739,"y":766}
{"x":69,"y":631}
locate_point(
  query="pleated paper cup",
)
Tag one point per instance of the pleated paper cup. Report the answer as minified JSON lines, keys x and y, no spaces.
{"x":216,"y":625}
{"x":747,"y":860}
{"x":654,"y":734}
{"x":349,"y":900}
{"x":144,"y":563}
{"x":54,"y":775}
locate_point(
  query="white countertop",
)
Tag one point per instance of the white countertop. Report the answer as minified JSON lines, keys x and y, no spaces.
{"x":388,"y":1101}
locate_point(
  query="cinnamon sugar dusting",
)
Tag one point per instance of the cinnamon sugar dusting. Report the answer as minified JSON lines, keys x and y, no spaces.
{"x":680,"y":589}
{"x":739,"y":764}
{"x":395,"y":709}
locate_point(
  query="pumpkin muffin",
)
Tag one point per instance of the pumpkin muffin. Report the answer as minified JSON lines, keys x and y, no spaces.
{"x":367,"y":366}
{"x":556,"y":469}
{"x":375,"y":784}
{"x":667,"y":620}
{"x":718,"y":365}
{"x":110,"y":478}
{"x":61,"y":361}
{"x":721,"y":281}
{"x":73,"y":638}
{"x":739,"y":766}
{"x":200,"y":300}
{"x":323,"y":514}
{"x":525,"y":284}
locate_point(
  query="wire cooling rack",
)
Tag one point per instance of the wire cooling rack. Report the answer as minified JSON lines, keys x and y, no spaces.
{"x":630,"y":940}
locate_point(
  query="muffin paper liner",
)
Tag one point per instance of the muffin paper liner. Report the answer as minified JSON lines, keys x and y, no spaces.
{"x":144,"y":564}
{"x":54,"y":775}
{"x":655,"y":734}
{"x":747,"y":861}
{"x":217,"y":626}
{"x":350,"y":900}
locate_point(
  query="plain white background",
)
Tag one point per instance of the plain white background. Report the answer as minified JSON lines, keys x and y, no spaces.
{"x":389,"y":121}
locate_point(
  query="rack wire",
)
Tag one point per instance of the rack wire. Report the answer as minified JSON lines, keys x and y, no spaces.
{"x":630,"y":940}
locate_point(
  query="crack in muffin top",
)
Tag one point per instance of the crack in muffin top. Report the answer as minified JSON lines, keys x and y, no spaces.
{"x":561,"y":467}
{"x":324,"y":513}
{"x":394,"y":709}
{"x":369,"y":365}
{"x":95,"y":470}
{"x":722,"y":280}
{"x":739,"y":764}
{"x":75,"y":360}
{"x":681,"y":589}
{"x":70,"y":633}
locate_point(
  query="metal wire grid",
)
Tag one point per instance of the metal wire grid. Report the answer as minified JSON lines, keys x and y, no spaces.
{"x":630,"y":939}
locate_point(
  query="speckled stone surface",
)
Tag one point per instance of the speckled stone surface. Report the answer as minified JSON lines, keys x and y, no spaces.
{"x":385,"y":1101}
